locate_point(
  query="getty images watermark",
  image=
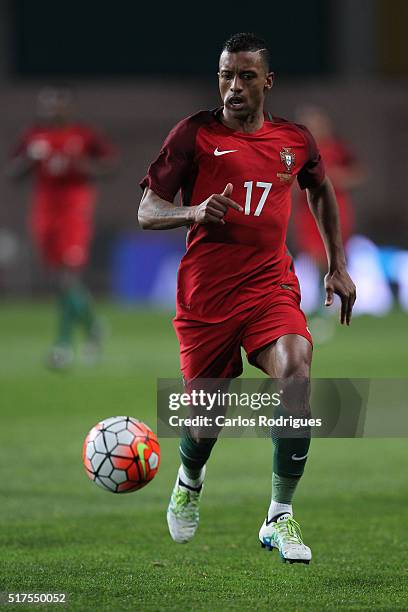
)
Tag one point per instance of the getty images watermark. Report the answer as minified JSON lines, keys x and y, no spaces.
{"x":342,"y":408}
{"x":212,"y":403}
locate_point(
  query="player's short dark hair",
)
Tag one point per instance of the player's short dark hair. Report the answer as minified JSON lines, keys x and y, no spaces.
{"x":247,"y":41}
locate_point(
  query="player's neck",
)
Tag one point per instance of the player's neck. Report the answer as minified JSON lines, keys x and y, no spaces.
{"x":56,"y":123}
{"x":250,"y":123}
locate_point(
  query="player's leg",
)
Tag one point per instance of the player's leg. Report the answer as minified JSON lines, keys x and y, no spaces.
{"x":277,"y":340}
{"x":72,"y":236}
{"x":74,"y":243}
{"x":75,"y":308}
{"x":61,"y":354}
{"x":45,"y":232}
{"x":79,"y":300}
{"x":289,"y":360}
{"x":75,"y":239}
{"x":207,"y":352}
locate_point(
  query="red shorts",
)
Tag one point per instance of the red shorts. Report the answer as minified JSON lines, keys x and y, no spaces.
{"x":61,"y":225}
{"x":213,"y":350}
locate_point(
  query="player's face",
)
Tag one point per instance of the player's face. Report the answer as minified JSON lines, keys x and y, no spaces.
{"x":317,"y":121}
{"x":54,"y":105}
{"x":243,"y":82}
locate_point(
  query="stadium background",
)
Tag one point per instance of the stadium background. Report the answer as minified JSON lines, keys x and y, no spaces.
{"x":135,"y":77}
{"x":136,"y":70}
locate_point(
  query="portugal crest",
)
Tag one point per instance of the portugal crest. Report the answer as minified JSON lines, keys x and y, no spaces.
{"x":288,"y":158}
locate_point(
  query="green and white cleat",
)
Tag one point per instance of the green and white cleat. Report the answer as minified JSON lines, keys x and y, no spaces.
{"x":283,"y":533}
{"x":183,"y":511}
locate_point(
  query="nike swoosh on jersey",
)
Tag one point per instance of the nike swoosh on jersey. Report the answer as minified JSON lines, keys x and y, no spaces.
{"x":296,"y":458}
{"x":217,"y":153}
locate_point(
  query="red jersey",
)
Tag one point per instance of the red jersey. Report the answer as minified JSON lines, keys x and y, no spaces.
{"x":57,"y":149}
{"x":228,"y":268}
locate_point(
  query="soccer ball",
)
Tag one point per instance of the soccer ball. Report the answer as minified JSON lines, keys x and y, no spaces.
{"x":121,"y":454}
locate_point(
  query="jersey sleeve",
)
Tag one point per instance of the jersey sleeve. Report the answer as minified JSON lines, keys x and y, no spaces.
{"x":169,"y":171}
{"x":313,"y":171}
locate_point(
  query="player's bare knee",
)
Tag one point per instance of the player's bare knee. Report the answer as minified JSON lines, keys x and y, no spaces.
{"x":293,"y":357}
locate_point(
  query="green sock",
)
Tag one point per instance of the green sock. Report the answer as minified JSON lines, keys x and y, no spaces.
{"x":66,"y":319}
{"x":82,"y":304}
{"x":194,"y":455}
{"x":290,"y":455}
{"x":289,"y":458}
{"x":75,"y":306}
{"x":283,"y":488}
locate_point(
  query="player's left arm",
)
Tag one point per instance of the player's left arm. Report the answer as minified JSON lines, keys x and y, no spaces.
{"x":323,"y":205}
{"x":24,"y":157}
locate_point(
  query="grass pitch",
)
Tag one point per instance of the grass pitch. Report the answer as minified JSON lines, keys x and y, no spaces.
{"x":59,"y":532}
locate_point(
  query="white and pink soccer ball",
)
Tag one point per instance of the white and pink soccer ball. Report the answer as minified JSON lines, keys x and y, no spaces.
{"x":121,"y":454}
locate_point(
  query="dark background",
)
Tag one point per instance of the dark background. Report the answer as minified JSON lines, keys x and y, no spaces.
{"x":130,"y":37}
{"x":138,"y":68}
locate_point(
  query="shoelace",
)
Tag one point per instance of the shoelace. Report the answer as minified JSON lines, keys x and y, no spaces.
{"x":289,"y":531}
{"x":186,"y":503}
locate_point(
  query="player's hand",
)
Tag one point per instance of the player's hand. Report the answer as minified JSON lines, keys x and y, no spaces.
{"x":213,"y":209}
{"x":340,"y":283}
{"x":38,"y":150}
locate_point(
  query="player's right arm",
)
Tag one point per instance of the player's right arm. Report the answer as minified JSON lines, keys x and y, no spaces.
{"x":171,"y":171}
{"x":157,"y":213}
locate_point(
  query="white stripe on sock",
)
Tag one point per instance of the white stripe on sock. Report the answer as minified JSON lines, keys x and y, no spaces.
{"x":278,"y":508}
{"x":191,"y":482}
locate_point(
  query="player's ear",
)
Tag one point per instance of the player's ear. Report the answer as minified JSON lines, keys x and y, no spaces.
{"x":270,"y":78}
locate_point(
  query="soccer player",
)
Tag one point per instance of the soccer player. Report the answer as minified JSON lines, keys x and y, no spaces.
{"x":64,"y":156}
{"x":236,"y":286}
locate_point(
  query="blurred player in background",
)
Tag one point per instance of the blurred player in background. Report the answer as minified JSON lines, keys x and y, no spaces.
{"x":346,"y":173}
{"x":64,"y":157}
{"x":235,"y":166}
